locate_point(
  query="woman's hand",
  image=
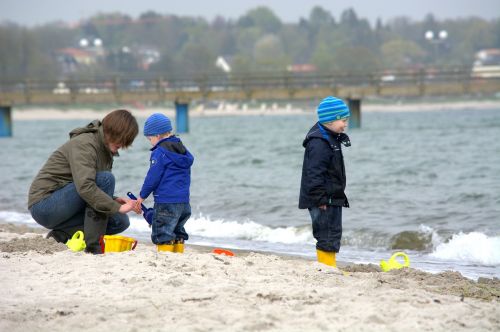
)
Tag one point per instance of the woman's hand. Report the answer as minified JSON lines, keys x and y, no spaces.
{"x":128,"y":206}
{"x":121,"y":200}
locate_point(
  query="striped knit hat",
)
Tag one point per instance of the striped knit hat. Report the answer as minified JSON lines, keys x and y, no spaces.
{"x":331,"y":109}
{"x":157,"y":124}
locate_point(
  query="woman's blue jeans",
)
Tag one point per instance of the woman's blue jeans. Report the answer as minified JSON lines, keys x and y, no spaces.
{"x":327,"y":227}
{"x":64,"y":210}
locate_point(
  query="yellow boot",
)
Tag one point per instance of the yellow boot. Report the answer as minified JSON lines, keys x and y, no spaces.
{"x":326,"y":257}
{"x":179,"y":246}
{"x":165,"y":247}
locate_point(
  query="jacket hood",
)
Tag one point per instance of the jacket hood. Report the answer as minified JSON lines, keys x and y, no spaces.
{"x":90,"y":128}
{"x":175,"y":151}
{"x":315,"y":132}
{"x":94,"y":127}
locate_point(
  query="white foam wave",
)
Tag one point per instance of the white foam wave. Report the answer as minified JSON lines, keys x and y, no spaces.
{"x":204,"y":226}
{"x":17,"y":217}
{"x":472,"y":247}
{"x":436,"y":240}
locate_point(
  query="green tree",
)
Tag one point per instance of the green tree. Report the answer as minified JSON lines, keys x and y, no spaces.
{"x":356,"y":60}
{"x":296,"y":43}
{"x":323,"y":59}
{"x":166,"y":66}
{"x":400,"y":53}
{"x":256,"y":40}
{"x":195,"y":58}
{"x":263,"y":18}
{"x":246,"y":39}
{"x":269,"y":53}
{"x":21,"y":56}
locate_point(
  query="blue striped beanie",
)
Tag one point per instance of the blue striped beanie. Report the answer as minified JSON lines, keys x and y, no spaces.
{"x":157,"y":124}
{"x":331,"y":109}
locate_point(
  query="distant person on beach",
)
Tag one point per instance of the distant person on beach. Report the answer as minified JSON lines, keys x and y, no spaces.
{"x":169,"y":179}
{"x":324,"y":179}
{"x":74,"y":190}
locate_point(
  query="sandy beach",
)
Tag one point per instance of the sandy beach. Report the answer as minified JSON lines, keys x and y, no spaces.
{"x":45,"y":113}
{"x":46,"y":287}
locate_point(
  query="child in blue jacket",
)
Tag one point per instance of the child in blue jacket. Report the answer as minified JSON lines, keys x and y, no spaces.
{"x":168,"y":178}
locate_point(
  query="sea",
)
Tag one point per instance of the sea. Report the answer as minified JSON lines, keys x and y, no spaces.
{"x":424,"y":183}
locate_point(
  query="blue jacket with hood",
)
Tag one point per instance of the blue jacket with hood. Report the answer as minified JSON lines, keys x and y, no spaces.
{"x":169,"y":175}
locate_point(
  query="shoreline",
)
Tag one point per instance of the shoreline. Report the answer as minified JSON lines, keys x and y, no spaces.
{"x":51,"y":113}
{"x":49,"y":288}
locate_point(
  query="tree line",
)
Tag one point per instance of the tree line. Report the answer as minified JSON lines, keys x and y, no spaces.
{"x":258,"y":41}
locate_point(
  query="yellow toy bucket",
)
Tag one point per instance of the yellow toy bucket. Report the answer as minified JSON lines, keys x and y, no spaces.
{"x":118,"y":243}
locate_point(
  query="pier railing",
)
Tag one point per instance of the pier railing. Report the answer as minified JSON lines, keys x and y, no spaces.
{"x":243,"y":87}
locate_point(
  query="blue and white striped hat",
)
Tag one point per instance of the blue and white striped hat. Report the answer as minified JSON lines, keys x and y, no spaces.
{"x":331,"y":109}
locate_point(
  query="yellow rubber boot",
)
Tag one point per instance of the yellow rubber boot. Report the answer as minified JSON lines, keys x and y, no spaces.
{"x":165,"y":247}
{"x":326,"y":257}
{"x":179,"y":246}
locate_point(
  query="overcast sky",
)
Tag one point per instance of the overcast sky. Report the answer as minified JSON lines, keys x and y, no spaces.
{"x":33,"y":12}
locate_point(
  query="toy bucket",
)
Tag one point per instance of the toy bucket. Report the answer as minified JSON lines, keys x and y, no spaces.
{"x":118,"y":243}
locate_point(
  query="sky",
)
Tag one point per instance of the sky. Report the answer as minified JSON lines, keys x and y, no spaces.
{"x":35,"y":12}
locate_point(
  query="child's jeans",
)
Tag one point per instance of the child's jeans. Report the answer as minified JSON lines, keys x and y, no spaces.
{"x":327,"y":227}
{"x":168,"y":222}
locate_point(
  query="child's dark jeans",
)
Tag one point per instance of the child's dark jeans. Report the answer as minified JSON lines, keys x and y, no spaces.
{"x":327,"y":227}
{"x":168,"y":222}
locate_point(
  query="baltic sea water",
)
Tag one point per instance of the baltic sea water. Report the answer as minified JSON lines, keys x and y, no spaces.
{"x":427,"y":183}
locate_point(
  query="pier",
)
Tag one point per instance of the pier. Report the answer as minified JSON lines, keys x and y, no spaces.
{"x":233,"y":87}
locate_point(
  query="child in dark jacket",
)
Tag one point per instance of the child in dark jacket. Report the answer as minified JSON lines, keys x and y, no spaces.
{"x":169,"y":179}
{"x":323,"y":177}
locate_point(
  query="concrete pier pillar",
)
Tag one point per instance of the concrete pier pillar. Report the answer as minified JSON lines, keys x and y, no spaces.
{"x":5,"y":121}
{"x":182,"y":117}
{"x":355,"y":108}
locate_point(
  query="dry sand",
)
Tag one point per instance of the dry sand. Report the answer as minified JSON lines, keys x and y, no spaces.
{"x":46,"y":287}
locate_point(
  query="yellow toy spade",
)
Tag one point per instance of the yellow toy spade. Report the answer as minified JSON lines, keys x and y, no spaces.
{"x":77,"y":242}
{"x":393,"y":264}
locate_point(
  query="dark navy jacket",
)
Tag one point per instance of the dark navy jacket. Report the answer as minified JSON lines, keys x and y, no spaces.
{"x":169,"y":175}
{"x":323,"y":171}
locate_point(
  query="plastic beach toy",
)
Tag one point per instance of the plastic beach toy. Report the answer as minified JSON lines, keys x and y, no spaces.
{"x":77,"y":242}
{"x":219,"y":251}
{"x":393,"y":264}
{"x":117,"y":243}
{"x":146,"y":213}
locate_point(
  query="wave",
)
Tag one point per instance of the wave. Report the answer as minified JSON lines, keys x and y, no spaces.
{"x":205,"y":227}
{"x":250,"y":230}
{"x":16,"y":217}
{"x":474,"y":247}
{"x":424,"y":239}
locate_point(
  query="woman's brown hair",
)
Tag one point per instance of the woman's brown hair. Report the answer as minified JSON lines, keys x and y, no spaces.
{"x":120,"y":127}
